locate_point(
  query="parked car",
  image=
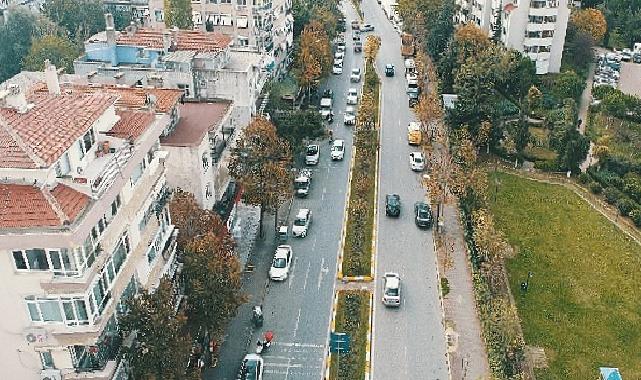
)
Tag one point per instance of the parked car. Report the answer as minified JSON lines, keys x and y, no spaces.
{"x":355,"y":77}
{"x":303,"y":182}
{"x":338,"y":150}
{"x":413,"y":96}
{"x":301,"y":223}
{"x":252,"y":367}
{"x":349,"y":117}
{"x":389,"y":70}
{"x":281,"y":263}
{"x":325,"y":106}
{"x":392,"y":289}
{"x":356,"y":25}
{"x":393,"y":205}
{"x":411,"y":77}
{"x":337,"y":68}
{"x":352,"y":96}
{"x":414,"y":135}
{"x":422,"y":215}
{"x":417,"y":161}
{"x":636,"y":58}
{"x":356,"y":35}
{"x":358,"y":46}
{"x":312,"y":154}
{"x":367,"y":28}
{"x":339,"y":56}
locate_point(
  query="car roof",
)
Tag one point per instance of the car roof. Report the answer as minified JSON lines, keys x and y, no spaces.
{"x":281,"y":253}
{"x":312,"y":146}
{"x":338,"y":142}
{"x":302,"y":212}
{"x":414,"y":126}
{"x":356,"y":69}
{"x":352,"y":89}
{"x":395,"y":196}
{"x":417,"y":154}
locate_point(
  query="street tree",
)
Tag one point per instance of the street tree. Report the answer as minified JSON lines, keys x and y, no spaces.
{"x":590,"y":21}
{"x":313,"y":56}
{"x":189,"y":218}
{"x":372,"y":44}
{"x":59,"y":50}
{"x":178,"y":14}
{"x":81,"y":18}
{"x":298,"y":126}
{"x":212,"y":279}
{"x":442,"y":31}
{"x":162,"y":345}
{"x":261,"y":162}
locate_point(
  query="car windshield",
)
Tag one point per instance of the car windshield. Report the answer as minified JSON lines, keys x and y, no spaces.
{"x":337,"y":65}
{"x":251,"y":370}
{"x":337,"y":147}
{"x":423,"y":214}
{"x":393,"y":292}
{"x":300,"y":185}
{"x":279,"y":262}
{"x":299,"y":222}
{"x":392,"y":201}
{"x":312,"y":150}
{"x":418,"y":159}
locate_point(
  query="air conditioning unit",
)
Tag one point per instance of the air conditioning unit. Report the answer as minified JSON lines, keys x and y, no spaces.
{"x":50,"y":374}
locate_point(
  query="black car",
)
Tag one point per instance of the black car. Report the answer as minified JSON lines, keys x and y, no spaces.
{"x":413,"y":94}
{"x":389,"y":70}
{"x":393,"y":205}
{"x":422,"y":215}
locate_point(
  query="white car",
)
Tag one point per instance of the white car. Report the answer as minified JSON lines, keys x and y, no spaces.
{"x":281,"y":263}
{"x":392,"y":289}
{"x":339,"y":55}
{"x":367,"y":28}
{"x":337,"y":69}
{"x":312,"y":155}
{"x":352,"y":96}
{"x":411,"y":77}
{"x":252,"y":367}
{"x":356,"y":75}
{"x":417,"y":161}
{"x":302,"y":222}
{"x":349,"y":117}
{"x":338,"y":150}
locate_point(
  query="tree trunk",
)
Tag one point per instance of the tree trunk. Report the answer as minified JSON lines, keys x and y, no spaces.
{"x":276,"y":220}
{"x":260,"y":222}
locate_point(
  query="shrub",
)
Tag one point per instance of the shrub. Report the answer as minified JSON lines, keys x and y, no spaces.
{"x":625,"y":205}
{"x":547,"y":166}
{"x":595,"y":187}
{"x":612,"y":195}
{"x":632,"y":186}
{"x":636,"y":216}
{"x":584,"y":178}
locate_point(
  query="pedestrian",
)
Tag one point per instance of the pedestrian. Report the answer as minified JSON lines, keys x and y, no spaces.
{"x":331,"y":135}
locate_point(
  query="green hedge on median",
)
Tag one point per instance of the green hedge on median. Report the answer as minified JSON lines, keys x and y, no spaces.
{"x":352,"y":318}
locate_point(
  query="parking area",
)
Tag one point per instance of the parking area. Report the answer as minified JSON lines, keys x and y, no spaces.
{"x":630,"y":82}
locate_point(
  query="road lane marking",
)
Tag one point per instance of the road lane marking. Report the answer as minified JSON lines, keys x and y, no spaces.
{"x":291,"y":278}
{"x":284,"y":365}
{"x":309,"y":266}
{"x":320,"y":273}
{"x":296,"y":344}
{"x":296,"y":324}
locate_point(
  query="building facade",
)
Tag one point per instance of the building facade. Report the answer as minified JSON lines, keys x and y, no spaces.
{"x":84,"y":225}
{"x":534,"y":27}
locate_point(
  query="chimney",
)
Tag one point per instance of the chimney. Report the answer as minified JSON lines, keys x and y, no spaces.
{"x":51,"y":78}
{"x":110,"y":29}
{"x":166,"y":41}
{"x":14,"y":98}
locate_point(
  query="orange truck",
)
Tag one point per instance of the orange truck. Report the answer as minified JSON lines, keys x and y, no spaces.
{"x":407,"y":45}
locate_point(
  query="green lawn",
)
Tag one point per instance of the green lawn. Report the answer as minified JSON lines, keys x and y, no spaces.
{"x":352,"y":317}
{"x":584,"y":301}
{"x":625,"y":136}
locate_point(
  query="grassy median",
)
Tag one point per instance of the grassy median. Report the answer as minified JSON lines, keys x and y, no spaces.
{"x":583,"y":301}
{"x":357,"y":251}
{"x":353,"y":318}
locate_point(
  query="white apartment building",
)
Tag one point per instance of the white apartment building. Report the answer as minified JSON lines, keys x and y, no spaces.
{"x":263,"y":26}
{"x":83,"y":224}
{"x":534,"y":27}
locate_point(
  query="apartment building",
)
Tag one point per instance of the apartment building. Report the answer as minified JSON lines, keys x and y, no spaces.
{"x":84,"y":222}
{"x":199,"y":63}
{"x":534,"y":27}
{"x":263,"y":26}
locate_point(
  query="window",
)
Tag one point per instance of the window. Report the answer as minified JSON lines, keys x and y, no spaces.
{"x":36,"y":259}
{"x":241,"y":2}
{"x":242,"y":22}
{"x":115,"y":205}
{"x":100,"y":294}
{"x":225,"y":1}
{"x":46,"y":360}
{"x":75,"y":309}
{"x":243,"y":41}
{"x":44,"y":309}
{"x":63,"y":166}
{"x":158,"y":14}
{"x":226,"y":20}
{"x":208,"y":193}
{"x":137,"y":173}
{"x":88,"y":140}
{"x":184,"y":87}
{"x":205,"y":160}
{"x":196,"y":18}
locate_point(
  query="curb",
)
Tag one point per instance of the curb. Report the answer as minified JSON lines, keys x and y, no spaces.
{"x":440,"y":298}
{"x":328,"y":357}
{"x":339,"y":273}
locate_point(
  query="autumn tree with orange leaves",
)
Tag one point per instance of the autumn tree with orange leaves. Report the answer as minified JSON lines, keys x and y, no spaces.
{"x":314,"y":55}
{"x":261,"y":162}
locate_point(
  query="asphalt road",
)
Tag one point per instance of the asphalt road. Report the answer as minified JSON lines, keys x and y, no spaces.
{"x":298,"y":309}
{"x":409,"y":342}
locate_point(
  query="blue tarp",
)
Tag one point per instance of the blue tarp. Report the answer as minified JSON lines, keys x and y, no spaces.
{"x":610,"y":373}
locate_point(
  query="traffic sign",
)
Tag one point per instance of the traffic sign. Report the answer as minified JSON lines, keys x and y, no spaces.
{"x":339,"y":342}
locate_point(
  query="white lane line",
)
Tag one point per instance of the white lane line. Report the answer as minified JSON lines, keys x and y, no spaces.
{"x":296,"y":344}
{"x":296,"y":324}
{"x":309,"y":266}
{"x":291,"y":278}
{"x":320,"y":273}
{"x":284,"y":365}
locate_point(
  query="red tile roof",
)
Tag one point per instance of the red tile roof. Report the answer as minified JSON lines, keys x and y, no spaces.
{"x":12,"y":155}
{"x":128,"y":97}
{"x":132,"y":124}
{"x":26,"y":206}
{"x":71,"y":201}
{"x":185,"y":39}
{"x":196,"y":119}
{"x":53,"y":124}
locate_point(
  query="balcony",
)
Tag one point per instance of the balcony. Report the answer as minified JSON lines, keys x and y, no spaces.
{"x":112,"y":156}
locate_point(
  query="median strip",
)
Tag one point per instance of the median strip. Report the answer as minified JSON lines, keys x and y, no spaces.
{"x":349,"y":355}
{"x":358,"y":241}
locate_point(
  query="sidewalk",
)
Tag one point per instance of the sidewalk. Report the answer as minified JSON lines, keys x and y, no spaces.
{"x":257,"y":252}
{"x":586,"y":100}
{"x":468,"y":356}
